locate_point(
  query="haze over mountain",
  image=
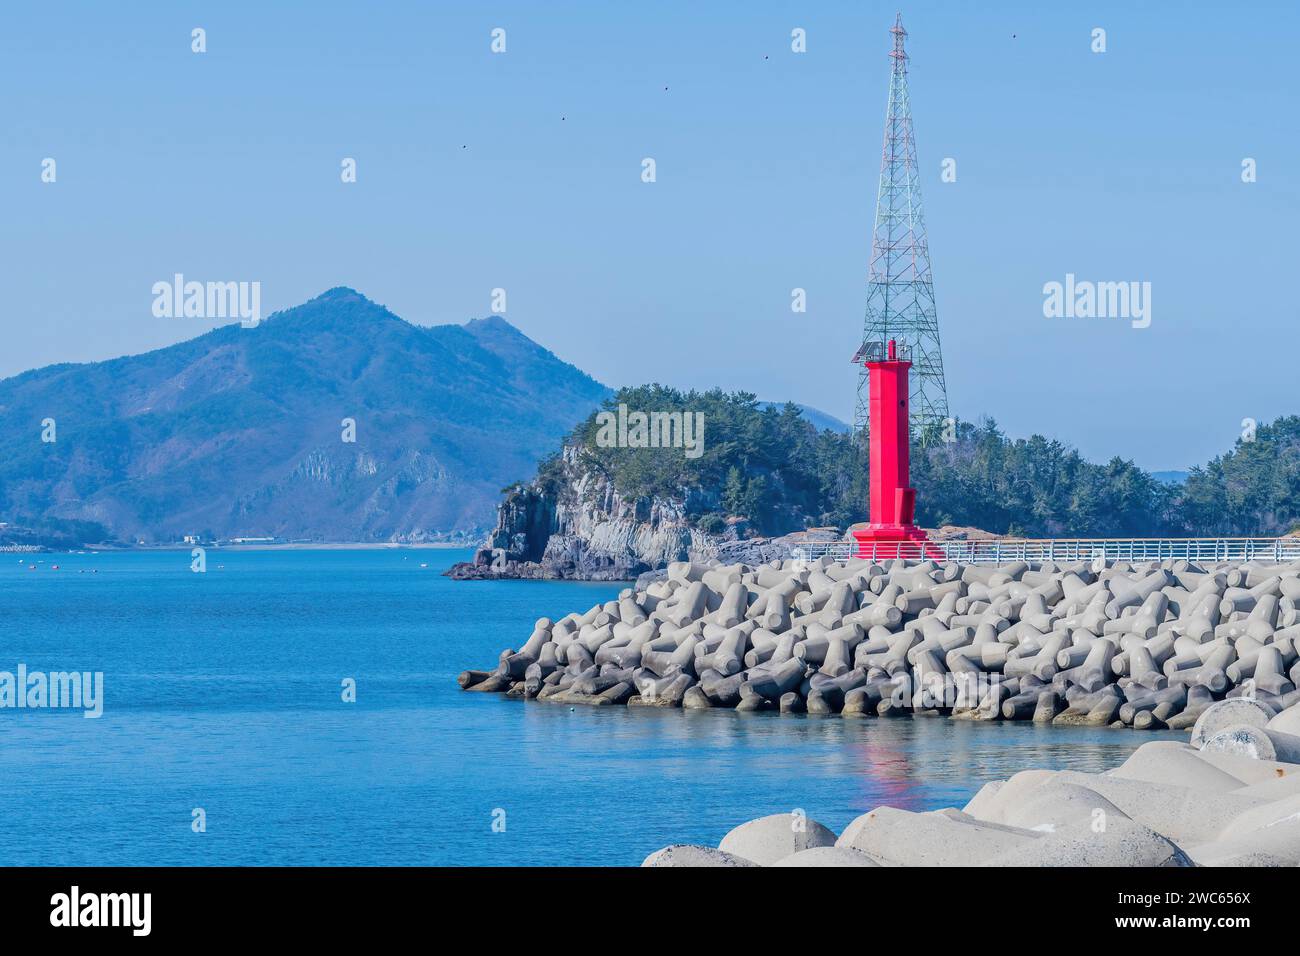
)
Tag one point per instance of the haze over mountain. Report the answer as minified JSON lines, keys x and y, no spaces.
{"x":820,"y":420}
{"x":238,"y":432}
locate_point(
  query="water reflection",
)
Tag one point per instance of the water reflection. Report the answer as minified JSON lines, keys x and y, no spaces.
{"x":710,"y":770}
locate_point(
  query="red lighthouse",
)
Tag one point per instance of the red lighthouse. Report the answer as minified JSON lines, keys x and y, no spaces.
{"x":891,"y":533}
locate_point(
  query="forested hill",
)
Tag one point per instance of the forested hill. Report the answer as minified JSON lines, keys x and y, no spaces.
{"x":772,"y":467}
{"x":243,"y":431}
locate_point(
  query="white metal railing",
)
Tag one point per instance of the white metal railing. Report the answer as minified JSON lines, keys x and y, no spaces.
{"x":1062,"y":549}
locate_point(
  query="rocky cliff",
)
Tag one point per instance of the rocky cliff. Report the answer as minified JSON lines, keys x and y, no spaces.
{"x":572,"y":523}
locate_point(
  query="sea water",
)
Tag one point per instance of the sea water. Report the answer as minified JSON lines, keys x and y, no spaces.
{"x":229,"y":734}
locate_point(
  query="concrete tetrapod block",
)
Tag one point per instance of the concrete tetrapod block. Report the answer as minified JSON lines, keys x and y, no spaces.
{"x":1186,"y":816}
{"x":1168,"y":761}
{"x":1266,"y":836}
{"x":467,"y":679}
{"x":983,"y":805}
{"x":696,"y":699}
{"x":722,"y":691}
{"x":661,"y":695}
{"x":1091,"y":710}
{"x":1267,"y":817}
{"x":939,"y":838}
{"x":731,"y":611}
{"x":620,"y":693}
{"x":1024,"y":704}
{"x":1267,"y":779}
{"x":1136,"y":702}
{"x":856,"y":703}
{"x":1170,"y":703}
{"x":1114,"y":841}
{"x":819,"y":704}
{"x":1228,"y":713}
{"x":775,"y":837}
{"x":690,"y":854}
{"x":1270,"y":672}
{"x":1056,"y":805}
{"x":490,"y":684}
{"x":774,"y":682}
{"x":1236,"y":856}
{"x":1257,"y":742}
{"x":828,"y":856}
{"x":792,"y":703}
{"x":1287,"y":722}
{"x":1199,"y":699}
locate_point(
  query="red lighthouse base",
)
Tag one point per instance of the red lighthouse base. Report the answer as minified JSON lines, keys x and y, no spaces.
{"x":884,"y":540}
{"x":881,"y":542}
{"x":891,"y":533}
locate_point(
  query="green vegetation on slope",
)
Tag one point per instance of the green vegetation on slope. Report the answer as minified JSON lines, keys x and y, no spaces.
{"x":240,"y":432}
{"x":774,"y":468}
{"x":1254,"y":489}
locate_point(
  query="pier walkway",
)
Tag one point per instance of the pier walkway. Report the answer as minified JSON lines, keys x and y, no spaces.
{"x":1067,"y":549}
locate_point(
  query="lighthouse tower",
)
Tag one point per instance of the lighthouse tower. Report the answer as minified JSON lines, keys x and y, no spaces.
{"x":891,"y":533}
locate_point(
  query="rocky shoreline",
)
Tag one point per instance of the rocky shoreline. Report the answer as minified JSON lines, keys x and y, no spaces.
{"x":1217,"y":801}
{"x":571,"y":523}
{"x":493,"y":564}
{"x":1142,"y":646}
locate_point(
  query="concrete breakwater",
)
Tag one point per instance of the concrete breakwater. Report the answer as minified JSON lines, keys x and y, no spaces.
{"x":1142,"y":646}
{"x":1213,"y":802}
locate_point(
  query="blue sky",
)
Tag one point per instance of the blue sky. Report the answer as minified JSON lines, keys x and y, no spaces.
{"x":522,"y":171}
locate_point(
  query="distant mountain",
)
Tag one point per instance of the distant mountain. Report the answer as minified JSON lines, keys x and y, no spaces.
{"x":238,"y":433}
{"x":820,"y":420}
{"x":1170,"y":477}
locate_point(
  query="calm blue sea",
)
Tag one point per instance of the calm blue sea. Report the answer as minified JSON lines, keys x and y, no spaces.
{"x":223,"y":692}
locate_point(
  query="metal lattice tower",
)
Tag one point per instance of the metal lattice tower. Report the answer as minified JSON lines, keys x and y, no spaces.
{"x":900,"y":291}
